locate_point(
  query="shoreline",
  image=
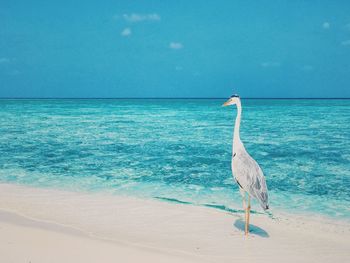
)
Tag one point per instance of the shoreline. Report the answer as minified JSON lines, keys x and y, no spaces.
{"x":157,"y":230}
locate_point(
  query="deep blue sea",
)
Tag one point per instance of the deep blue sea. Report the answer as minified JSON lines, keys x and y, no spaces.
{"x":180,"y":150}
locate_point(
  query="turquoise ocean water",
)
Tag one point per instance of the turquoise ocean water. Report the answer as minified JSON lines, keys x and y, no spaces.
{"x":180,"y":150}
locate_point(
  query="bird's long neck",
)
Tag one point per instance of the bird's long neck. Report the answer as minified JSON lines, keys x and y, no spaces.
{"x":236,"y":138}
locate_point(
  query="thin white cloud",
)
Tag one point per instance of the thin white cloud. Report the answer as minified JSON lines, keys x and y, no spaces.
{"x":126,"y":32}
{"x":346,"y":42}
{"x":268,"y":64}
{"x":178,"y":68}
{"x":175,"y":45}
{"x":326,"y":25}
{"x":134,"y":17}
{"x":4,"y":60}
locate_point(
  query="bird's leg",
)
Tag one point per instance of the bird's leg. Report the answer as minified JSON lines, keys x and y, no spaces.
{"x":247,"y":217}
{"x":242,"y":192}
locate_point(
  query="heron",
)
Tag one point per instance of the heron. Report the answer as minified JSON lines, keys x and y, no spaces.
{"x":245,"y":170}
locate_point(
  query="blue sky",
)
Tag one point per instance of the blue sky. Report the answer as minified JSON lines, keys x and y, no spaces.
{"x":174,"y":48}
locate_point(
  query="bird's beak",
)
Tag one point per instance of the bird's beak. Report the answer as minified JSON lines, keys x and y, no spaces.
{"x":227,"y":103}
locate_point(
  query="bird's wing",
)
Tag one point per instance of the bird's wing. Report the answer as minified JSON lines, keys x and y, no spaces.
{"x":250,"y":176}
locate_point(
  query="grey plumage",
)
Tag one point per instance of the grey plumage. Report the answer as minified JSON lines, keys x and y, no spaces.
{"x":249,"y":176}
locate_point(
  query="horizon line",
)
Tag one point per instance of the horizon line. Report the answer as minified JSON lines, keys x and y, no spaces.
{"x":170,"y":98}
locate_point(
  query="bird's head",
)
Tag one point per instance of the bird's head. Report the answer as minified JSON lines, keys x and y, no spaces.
{"x":234,"y":99}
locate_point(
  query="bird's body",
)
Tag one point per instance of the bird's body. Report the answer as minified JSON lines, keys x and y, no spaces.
{"x":249,"y":176}
{"x":245,"y":170}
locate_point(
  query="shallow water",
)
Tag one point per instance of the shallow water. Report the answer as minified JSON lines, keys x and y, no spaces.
{"x":180,"y":150}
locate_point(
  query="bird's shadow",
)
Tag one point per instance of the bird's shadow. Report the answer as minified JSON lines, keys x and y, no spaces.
{"x":255,"y":230}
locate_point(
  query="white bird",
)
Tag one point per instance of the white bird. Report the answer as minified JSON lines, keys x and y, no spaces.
{"x":245,"y":169}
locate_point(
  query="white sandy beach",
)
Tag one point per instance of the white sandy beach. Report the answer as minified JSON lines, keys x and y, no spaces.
{"x":39,"y":225}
